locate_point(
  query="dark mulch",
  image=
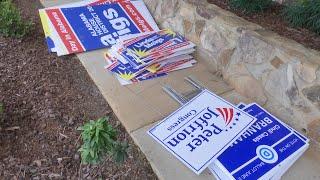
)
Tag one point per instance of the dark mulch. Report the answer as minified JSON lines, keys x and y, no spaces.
{"x":272,"y":20}
{"x":46,"y":98}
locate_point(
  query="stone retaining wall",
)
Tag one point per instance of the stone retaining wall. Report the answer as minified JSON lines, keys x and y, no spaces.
{"x":258,"y":63}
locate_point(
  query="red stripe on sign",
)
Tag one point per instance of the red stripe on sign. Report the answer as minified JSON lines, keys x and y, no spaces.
{"x":223,"y":115}
{"x":231,"y":114}
{"x":113,"y":65}
{"x":225,"y":110}
{"x":66,"y":34}
{"x":136,"y":17}
{"x":106,"y":2}
{"x":170,"y":67}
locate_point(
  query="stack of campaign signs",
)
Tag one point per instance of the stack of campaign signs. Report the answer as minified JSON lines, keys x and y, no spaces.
{"x":149,"y":55}
{"x":242,"y":142}
{"x":93,"y":24}
{"x":137,"y":49}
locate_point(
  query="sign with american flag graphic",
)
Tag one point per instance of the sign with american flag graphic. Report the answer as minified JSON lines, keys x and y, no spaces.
{"x":201,"y":130}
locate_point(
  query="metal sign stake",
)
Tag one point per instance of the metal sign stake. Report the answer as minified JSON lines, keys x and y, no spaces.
{"x":184,"y":98}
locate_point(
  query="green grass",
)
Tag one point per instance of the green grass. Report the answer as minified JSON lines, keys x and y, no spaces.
{"x":250,"y":6}
{"x":304,"y":14}
{"x":11,"y":23}
{"x":99,"y":140}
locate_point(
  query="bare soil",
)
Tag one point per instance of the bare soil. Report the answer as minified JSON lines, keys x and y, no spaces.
{"x":272,"y":19}
{"x":46,"y":98}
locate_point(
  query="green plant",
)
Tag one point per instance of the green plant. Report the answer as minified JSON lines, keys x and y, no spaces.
{"x":305,"y":13}
{"x":314,"y":19}
{"x":295,"y":14}
{"x":11,"y":23}
{"x":250,"y":6}
{"x":99,"y":139}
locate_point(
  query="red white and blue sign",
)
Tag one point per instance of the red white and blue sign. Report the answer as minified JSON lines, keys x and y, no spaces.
{"x":94,"y":26}
{"x":201,"y":130}
{"x":149,"y":55}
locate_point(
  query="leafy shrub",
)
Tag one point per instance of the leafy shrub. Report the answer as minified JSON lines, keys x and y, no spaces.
{"x":11,"y":23}
{"x":250,"y":6}
{"x":305,"y":14}
{"x":99,"y":139}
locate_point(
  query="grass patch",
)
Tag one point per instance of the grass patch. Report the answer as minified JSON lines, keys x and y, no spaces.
{"x":304,"y":14}
{"x":250,"y":6}
{"x":11,"y":22}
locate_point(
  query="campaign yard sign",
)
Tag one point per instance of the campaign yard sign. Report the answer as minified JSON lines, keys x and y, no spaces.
{"x":221,"y":175}
{"x":131,"y":57}
{"x":263,"y":151}
{"x":201,"y":130}
{"x":94,"y":26}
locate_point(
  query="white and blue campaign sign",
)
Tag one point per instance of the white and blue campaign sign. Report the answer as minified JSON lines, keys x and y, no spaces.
{"x":201,"y":130}
{"x":221,"y":175}
{"x":262,"y":150}
{"x":95,"y":26}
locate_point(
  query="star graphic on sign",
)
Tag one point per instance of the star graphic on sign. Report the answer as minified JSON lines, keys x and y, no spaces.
{"x":238,"y":114}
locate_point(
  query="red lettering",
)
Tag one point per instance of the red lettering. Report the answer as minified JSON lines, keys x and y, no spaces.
{"x":136,"y":17}
{"x":67,"y":36}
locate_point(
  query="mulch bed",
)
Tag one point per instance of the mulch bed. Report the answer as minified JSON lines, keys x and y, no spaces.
{"x":46,"y":98}
{"x":272,"y":19}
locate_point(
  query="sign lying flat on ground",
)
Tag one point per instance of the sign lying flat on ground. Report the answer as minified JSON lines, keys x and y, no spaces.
{"x":265,"y":151}
{"x":201,"y":130}
{"x":93,"y":26}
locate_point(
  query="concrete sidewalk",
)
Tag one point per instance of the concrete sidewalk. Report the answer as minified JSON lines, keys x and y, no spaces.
{"x":141,"y":105}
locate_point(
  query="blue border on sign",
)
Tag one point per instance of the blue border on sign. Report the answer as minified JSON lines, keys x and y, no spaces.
{"x":204,"y":91}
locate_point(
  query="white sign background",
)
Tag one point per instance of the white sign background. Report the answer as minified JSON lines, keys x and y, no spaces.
{"x":204,"y":133}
